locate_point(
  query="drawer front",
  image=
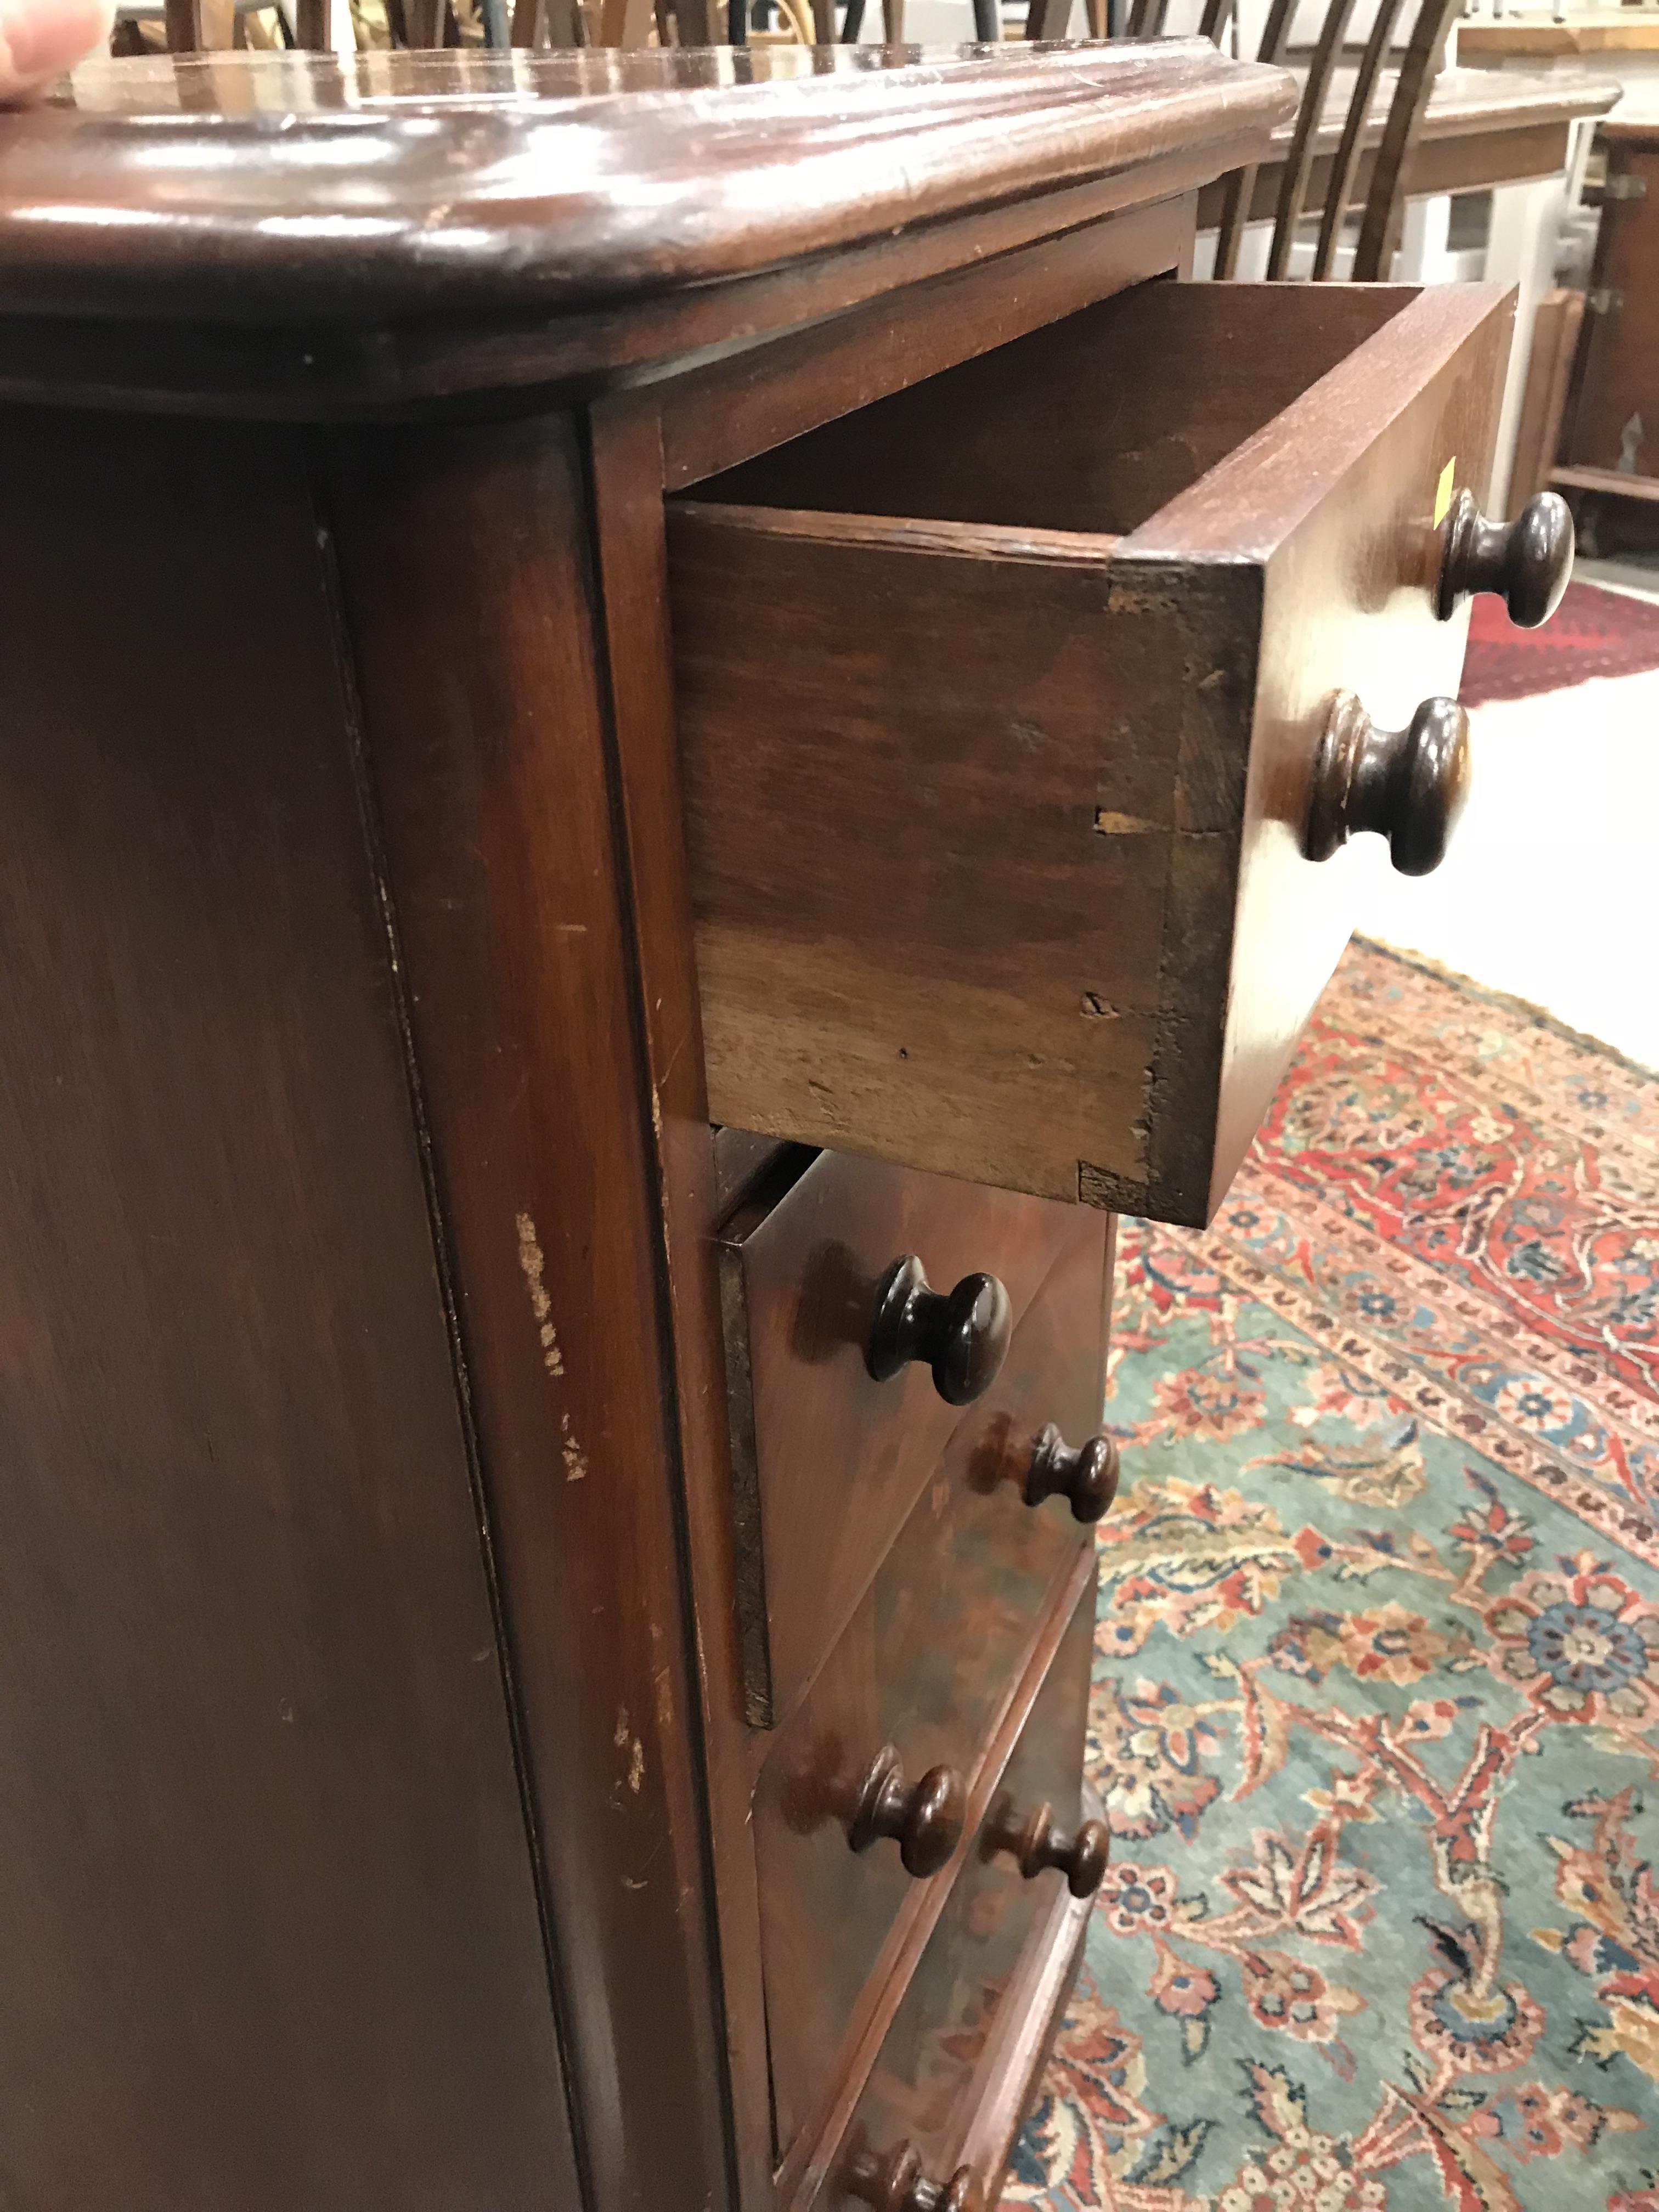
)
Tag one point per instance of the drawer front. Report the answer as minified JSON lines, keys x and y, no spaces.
{"x":997,"y":771}
{"x":928,"y":1664}
{"x":830,"y":1460}
{"x":948,"y":2058}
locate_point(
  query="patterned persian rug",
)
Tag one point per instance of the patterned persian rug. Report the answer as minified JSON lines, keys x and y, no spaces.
{"x":1377,"y":1705}
{"x":1592,"y":633}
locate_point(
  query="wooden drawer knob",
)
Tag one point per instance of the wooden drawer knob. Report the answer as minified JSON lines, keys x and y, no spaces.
{"x":1410,"y":786}
{"x":1529,"y":561}
{"x":961,"y":1335}
{"x":1085,"y":1474}
{"x":924,"y":1820}
{"x":1035,"y":1844}
{"x":897,"y":2183}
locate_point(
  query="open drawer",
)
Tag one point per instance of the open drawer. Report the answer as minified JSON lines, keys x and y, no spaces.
{"x":1000,"y":703}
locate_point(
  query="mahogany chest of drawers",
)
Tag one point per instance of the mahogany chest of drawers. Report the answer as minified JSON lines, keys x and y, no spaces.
{"x":666,"y":719}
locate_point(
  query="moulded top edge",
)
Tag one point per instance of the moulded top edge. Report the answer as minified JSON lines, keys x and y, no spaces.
{"x":276,"y":187}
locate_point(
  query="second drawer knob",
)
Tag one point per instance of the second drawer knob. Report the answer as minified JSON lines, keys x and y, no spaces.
{"x":1410,"y":786}
{"x":961,"y":1334}
{"x":925,"y":1818}
{"x":1086,"y":1474}
{"x":1036,"y":1844}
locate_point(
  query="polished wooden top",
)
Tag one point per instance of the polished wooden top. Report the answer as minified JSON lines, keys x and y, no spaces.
{"x":1469,"y":102}
{"x":1608,"y":31}
{"x":260,"y":186}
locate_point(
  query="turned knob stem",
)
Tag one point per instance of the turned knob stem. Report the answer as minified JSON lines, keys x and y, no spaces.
{"x":925,"y":1821}
{"x":961,"y":1335}
{"x":1035,"y":1844}
{"x":1528,"y":561}
{"x":896,"y":2182}
{"x":1085,"y":1474}
{"x":1410,"y":786}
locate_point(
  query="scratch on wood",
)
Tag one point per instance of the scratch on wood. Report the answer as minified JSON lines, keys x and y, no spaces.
{"x":1109,"y":824}
{"x":636,"y":1766}
{"x":575,"y":1459}
{"x":621,"y":1736}
{"x":533,"y":1263}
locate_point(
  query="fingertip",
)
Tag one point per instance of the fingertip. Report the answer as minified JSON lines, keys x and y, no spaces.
{"x":41,"y":39}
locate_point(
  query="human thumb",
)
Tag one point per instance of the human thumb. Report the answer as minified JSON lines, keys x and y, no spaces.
{"x":41,"y":39}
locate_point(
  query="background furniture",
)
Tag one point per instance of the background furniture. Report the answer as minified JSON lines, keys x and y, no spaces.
{"x":1479,"y":132}
{"x":1521,"y":138}
{"x":1619,"y":43}
{"x":1384,"y":134}
{"x":1398,"y":118}
{"x":1608,"y":456}
{"x":1544,"y":404}
{"x":1568,"y":45}
{"x":547,"y":1649}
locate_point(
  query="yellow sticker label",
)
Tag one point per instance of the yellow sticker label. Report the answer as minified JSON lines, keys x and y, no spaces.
{"x":1442,"y":494}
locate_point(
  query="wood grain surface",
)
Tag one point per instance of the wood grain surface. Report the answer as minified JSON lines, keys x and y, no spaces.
{"x":433,"y":363}
{"x":272,"y":1929}
{"x":694,"y":1182}
{"x":928,"y":1664}
{"x":839,"y":1459}
{"x":354,"y":923}
{"x":134,"y":318}
{"x":721,"y":413}
{"x":993,"y":818}
{"x":1340,"y":494}
{"x":405,"y":182}
{"x":468,"y":609}
{"x":924,"y":2086}
{"x":989,"y":442}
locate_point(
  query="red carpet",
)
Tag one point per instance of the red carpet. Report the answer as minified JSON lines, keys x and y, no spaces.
{"x":1592,"y":633}
{"x":1375,"y":1721}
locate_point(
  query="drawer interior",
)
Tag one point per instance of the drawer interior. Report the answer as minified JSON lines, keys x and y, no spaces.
{"x":1090,"y":424}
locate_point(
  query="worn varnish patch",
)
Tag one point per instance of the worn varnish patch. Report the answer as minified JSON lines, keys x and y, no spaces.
{"x":575,"y":1459}
{"x":533,"y":1264}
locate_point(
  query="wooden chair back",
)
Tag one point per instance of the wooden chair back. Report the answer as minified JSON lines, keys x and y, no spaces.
{"x":622,"y":22}
{"x":197,"y":26}
{"x":1384,"y":202}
